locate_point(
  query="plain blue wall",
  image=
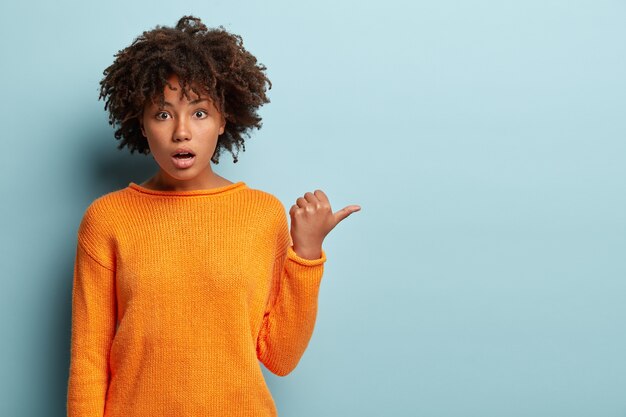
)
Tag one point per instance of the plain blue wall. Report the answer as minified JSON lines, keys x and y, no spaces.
{"x":485,"y":141}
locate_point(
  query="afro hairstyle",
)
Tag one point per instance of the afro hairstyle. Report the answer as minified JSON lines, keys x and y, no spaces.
{"x":207,"y":61}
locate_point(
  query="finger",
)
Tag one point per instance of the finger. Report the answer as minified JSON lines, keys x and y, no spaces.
{"x":301,"y":202}
{"x":321,"y":195}
{"x":345,"y":212}
{"x":311,"y":198}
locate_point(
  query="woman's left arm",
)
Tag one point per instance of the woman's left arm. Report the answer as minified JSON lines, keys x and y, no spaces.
{"x":298,"y":268}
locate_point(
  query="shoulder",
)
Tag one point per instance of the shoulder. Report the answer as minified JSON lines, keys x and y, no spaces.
{"x":266,"y":201}
{"x":103,"y":209}
{"x":96,"y":231}
{"x":271,"y":211}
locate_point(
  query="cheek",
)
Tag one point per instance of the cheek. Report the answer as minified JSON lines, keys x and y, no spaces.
{"x":153,"y":132}
{"x":212,"y":129}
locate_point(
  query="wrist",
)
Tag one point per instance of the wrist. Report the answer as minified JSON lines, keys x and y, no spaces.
{"x":314,"y":252}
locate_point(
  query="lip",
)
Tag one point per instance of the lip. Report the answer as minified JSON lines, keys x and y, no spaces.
{"x":183,"y":150}
{"x":183,"y":163}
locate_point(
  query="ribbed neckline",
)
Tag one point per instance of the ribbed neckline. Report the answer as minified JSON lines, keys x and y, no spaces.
{"x":210,"y":191}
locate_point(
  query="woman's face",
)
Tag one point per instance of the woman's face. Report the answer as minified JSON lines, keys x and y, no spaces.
{"x":193,"y":124}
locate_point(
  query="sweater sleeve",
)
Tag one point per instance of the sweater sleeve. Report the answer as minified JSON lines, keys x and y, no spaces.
{"x":290,"y":317}
{"x":93,"y":322}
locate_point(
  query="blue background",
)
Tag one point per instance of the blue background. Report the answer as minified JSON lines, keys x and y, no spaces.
{"x":484,"y":140}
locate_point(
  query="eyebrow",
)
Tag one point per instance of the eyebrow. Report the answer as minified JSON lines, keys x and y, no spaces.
{"x":196,"y":101}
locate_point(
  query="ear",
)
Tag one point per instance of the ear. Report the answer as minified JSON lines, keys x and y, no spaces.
{"x":143,"y":131}
{"x":222,"y":125}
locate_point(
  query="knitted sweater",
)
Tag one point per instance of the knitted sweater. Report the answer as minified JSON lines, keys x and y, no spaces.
{"x":177,"y":296}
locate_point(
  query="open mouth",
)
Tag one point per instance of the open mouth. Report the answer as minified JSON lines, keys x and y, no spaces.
{"x":184,"y":155}
{"x":183,"y":160}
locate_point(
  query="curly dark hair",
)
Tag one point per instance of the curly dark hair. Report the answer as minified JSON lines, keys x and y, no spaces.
{"x":209,"y":61}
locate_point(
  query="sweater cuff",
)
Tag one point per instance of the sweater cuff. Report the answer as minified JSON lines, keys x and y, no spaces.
{"x":291,"y":254}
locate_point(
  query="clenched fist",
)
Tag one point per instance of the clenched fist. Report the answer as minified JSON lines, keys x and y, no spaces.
{"x":311,"y":220}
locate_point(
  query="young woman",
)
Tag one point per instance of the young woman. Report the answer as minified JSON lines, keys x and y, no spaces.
{"x":183,"y":283}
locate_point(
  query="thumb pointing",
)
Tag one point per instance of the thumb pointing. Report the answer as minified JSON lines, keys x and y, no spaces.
{"x":345,"y":212}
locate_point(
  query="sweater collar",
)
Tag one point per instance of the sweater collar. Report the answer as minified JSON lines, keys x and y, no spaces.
{"x":210,"y":191}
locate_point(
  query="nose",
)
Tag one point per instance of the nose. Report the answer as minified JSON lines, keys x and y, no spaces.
{"x":182,"y":131}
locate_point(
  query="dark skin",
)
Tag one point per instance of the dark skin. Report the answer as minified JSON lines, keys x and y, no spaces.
{"x":312,"y":219}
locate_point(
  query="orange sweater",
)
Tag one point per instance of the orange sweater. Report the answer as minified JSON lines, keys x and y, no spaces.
{"x":178,"y":295}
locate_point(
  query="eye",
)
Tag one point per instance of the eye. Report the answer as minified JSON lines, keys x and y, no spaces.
{"x":200,"y":114}
{"x":162,"y":115}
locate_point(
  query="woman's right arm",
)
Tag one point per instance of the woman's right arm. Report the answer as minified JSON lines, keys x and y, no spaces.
{"x":94,"y":317}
